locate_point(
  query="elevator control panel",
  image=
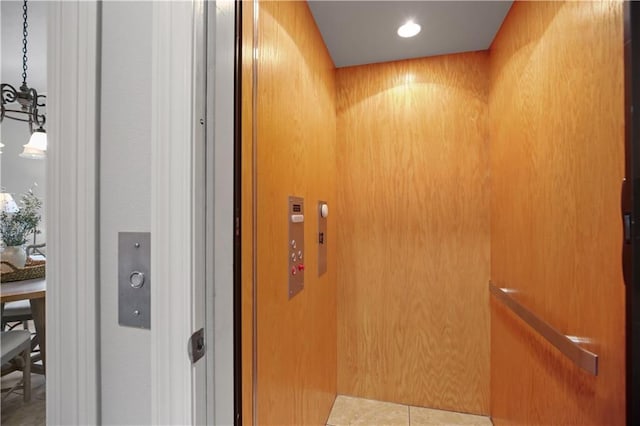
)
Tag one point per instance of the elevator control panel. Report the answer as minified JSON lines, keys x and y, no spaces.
{"x":296,"y":245}
{"x":323,"y":213}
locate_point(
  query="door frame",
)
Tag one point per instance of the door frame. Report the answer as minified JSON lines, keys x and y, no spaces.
{"x":177,"y":210}
{"x":72,"y":303}
{"x":72,"y":213}
{"x":221,"y":233}
{"x":192,"y":210}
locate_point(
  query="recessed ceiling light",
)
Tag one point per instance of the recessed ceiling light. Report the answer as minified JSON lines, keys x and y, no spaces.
{"x":409,"y":29}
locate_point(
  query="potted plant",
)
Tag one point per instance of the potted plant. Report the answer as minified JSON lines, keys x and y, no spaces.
{"x":16,"y":227}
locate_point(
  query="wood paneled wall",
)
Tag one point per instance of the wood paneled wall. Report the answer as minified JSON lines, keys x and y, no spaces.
{"x":557,"y":163}
{"x":413,"y":236}
{"x":247,"y":213}
{"x":296,"y":135}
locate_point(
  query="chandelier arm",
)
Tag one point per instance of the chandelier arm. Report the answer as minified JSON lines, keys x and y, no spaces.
{"x":15,"y":114}
{"x":40,"y":119}
{"x":9,"y":93}
{"x":41,"y":97}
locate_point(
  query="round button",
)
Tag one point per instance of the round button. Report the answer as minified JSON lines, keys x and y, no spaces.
{"x":300,"y":254}
{"x":293,"y":257}
{"x":293,"y":243}
{"x":136,"y":279}
{"x":293,"y":271}
{"x":324,"y":210}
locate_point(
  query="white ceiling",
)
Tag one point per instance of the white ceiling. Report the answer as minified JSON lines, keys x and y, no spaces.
{"x":363,"y":32}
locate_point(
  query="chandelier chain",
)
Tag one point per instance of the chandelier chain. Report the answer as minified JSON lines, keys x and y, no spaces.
{"x":25,"y":33}
{"x":23,"y":104}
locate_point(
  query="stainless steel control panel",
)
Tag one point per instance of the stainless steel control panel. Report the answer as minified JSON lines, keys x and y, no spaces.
{"x":296,"y":245}
{"x":134,"y":283}
{"x":323,"y":213}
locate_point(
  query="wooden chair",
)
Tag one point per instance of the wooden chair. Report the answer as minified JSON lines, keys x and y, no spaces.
{"x":16,"y":347}
{"x":16,"y":313}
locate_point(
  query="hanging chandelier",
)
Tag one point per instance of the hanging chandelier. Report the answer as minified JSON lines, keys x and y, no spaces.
{"x":23,"y":104}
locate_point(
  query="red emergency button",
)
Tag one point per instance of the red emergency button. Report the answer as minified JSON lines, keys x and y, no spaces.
{"x":301,"y":267}
{"x":293,"y":271}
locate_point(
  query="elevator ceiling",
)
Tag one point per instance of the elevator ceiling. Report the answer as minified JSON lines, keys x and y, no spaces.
{"x":363,"y":32}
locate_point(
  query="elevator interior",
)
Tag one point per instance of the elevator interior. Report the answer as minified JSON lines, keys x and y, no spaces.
{"x":441,"y":174}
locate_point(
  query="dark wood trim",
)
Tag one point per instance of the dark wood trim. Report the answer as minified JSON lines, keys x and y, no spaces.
{"x":237,"y":208}
{"x":630,"y":204}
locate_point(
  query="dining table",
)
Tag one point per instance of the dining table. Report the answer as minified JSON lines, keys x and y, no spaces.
{"x":35,"y":291}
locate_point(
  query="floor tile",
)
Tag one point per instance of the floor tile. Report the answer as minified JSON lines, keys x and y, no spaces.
{"x":428,"y":417}
{"x":16,"y":412}
{"x":348,"y":410}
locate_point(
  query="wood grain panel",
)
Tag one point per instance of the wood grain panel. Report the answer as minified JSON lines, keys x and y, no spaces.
{"x":246,"y":226}
{"x":413,"y":240}
{"x":557,"y":162}
{"x":296,"y":135}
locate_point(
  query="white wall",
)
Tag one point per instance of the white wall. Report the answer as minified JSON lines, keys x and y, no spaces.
{"x":125,"y":189}
{"x":19,"y":174}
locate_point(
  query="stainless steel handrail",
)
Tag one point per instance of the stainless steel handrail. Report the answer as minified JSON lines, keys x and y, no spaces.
{"x":583,"y":358}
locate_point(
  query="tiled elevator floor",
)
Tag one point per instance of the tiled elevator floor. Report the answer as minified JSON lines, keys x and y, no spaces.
{"x":348,"y":410}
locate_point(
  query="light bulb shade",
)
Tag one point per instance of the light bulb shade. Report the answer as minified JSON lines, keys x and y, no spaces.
{"x":38,"y":140}
{"x":37,"y":146}
{"x":7,"y":203}
{"x":32,"y":153}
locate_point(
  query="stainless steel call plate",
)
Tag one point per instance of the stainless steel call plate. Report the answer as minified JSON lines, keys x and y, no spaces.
{"x":296,"y":245}
{"x":134,"y":282}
